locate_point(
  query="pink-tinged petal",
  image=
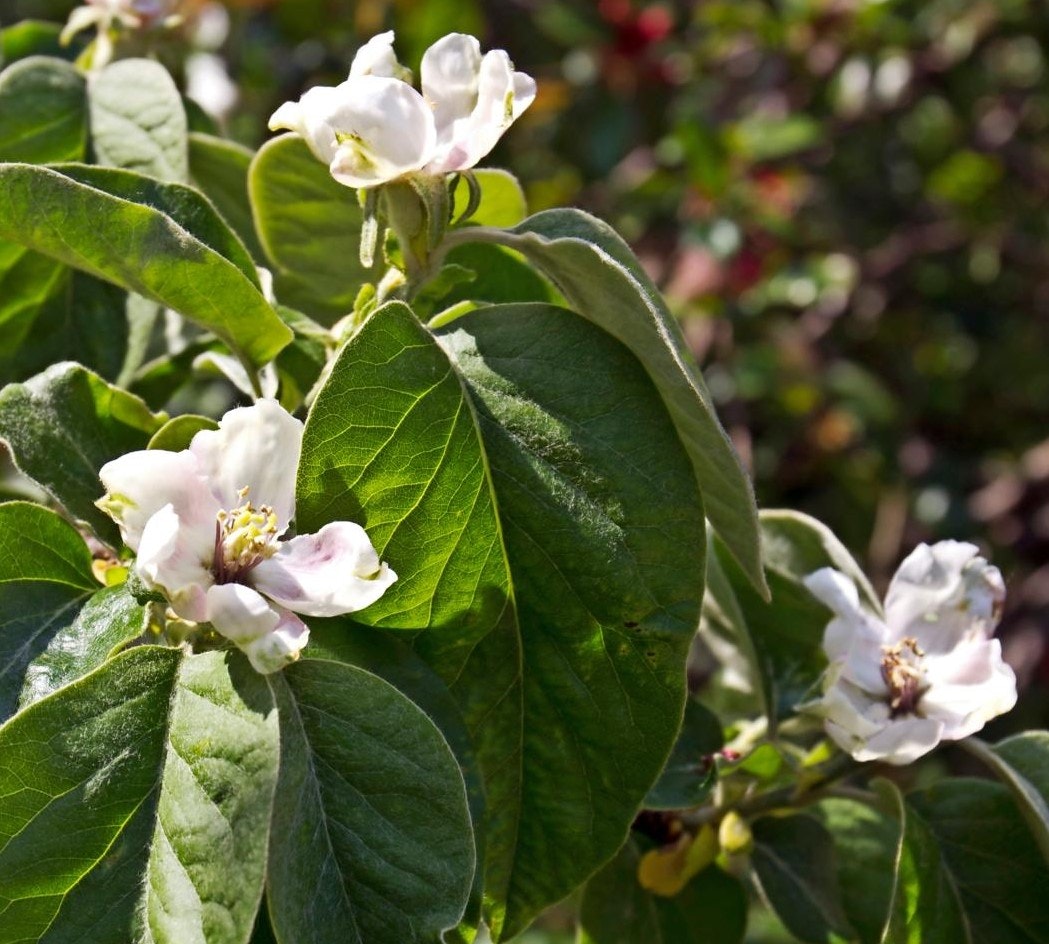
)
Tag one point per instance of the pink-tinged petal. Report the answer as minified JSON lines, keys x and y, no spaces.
{"x":175,"y":558}
{"x":241,"y":614}
{"x":255,"y":447}
{"x":944,"y":594}
{"x":835,"y":591}
{"x":863,"y":666}
{"x":329,"y":573}
{"x":968,"y":688}
{"x":274,"y":651}
{"x":139,"y":484}
{"x":902,"y":741}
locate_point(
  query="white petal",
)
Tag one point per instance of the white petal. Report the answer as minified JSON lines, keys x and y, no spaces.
{"x":240,"y":613}
{"x":449,"y":73}
{"x":384,"y":129}
{"x":175,"y":558}
{"x":272,"y":652}
{"x":944,"y":594}
{"x":968,"y":688}
{"x":255,"y":446}
{"x":331,"y":572}
{"x":835,"y":591}
{"x":376,"y":57}
{"x":902,"y":741}
{"x":139,"y":484}
{"x":310,"y":117}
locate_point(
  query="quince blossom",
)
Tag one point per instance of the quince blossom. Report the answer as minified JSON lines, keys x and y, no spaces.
{"x":207,"y":523}
{"x":134,"y":14}
{"x":374,"y":127}
{"x":929,"y":671}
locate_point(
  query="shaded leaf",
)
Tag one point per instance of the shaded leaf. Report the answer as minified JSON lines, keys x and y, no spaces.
{"x":43,"y":111}
{"x":220,"y":169}
{"x":690,"y":772}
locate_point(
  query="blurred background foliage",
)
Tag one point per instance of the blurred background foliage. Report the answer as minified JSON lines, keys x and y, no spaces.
{"x":845,"y":201}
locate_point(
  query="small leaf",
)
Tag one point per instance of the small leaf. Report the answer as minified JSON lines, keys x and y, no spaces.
{"x":45,"y":578}
{"x":163,"y":241}
{"x":176,"y":434}
{"x":33,"y":38}
{"x":371,"y":836}
{"x":502,"y":199}
{"x":690,"y":772}
{"x":794,"y":861}
{"x":43,"y":111}
{"x":64,"y":425}
{"x":137,"y":120}
{"x":310,"y":227}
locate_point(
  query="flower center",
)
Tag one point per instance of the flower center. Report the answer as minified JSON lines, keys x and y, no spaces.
{"x":244,"y":537}
{"x":901,"y":667}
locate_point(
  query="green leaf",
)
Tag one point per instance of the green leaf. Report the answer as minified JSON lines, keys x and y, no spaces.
{"x":108,"y":621}
{"x":163,"y":241}
{"x":176,"y":434}
{"x":988,"y":861}
{"x":45,"y":578}
{"x":500,"y":275}
{"x":794,"y":861}
{"x":33,"y":38}
{"x":75,"y":819}
{"x":783,"y":637}
{"x":371,"y":836}
{"x":29,"y":282}
{"x":866,"y":841}
{"x":147,"y":817}
{"x":63,"y":426}
{"x":137,"y":120}
{"x":43,"y":111}
{"x":220,"y":169}
{"x":711,"y":909}
{"x":602,"y":280}
{"x":502,"y":199}
{"x":690,"y":773}
{"x":565,"y":646}
{"x":310,"y":228}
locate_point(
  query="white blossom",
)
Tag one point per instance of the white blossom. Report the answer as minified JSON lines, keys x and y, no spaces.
{"x":929,"y":671}
{"x":375,"y":127}
{"x":207,"y":524}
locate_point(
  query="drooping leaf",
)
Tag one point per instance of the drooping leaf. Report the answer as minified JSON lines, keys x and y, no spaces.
{"x":45,"y":578}
{"x":43,"y":111}
{"x":690,"y":773}
{"x":163,"y":241}
{"x":783,"y":637}
{"x":220,"y":169}
{"x":602,"y":280}
{"x":63,"y":425}
{"x":137,"y":120}
{"x":371,"y":835}
{"x":711,"y":909}
{"x":794,"y":861}
{"x":310,"y":228}
{"x":531,"y":434}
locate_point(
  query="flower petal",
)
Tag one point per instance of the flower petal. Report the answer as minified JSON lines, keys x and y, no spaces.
{"x":255,"y":447}
{"x":329,"y":573}
{"x":273,"y":652}
{"x":376,"y":57}
{"x":308,"y":117}
{"x":449,"y":74}
{"x":835,"y":591}
{"x":902,"y":741}
{"x":268,"y":635}
{"x":944,"y":594}
{"x":969,"y":687}
{"x":174,"y":557}
{"x":139,"y":484}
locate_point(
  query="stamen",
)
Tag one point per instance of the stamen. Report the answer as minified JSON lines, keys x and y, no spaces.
{"x":901,"y":668}
{"x":244,"y":536}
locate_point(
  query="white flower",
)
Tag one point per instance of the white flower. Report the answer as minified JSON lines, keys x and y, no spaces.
{"x":206,"y":524}
{"x":929,"y":671}
{"x":374,"y":127}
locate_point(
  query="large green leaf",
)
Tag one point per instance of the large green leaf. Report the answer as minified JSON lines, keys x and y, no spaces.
{"x":147,"y":817}
{"x":711,"y":909}
{"x":371,"y":835}
{"x":163,"y":241}
{"x":782,"y":637}
{"x":220,"y":169}
{"x":43,"y":111}
{"x":555,"y":570}
{"x":794,"y":861}
{"x":310,"y":228}
{"x":45,"y":578}
{"x":137,"y":119}
{"x":63,"y":425}
{"x":603,"y":281}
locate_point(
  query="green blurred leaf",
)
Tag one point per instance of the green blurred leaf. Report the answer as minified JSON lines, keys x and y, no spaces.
{"x":690,"y":772}
{"x":602,"y":280}
{"x":64,"y":425}
{"x":137,"y":120}
{"x":220,"y":169}
{"x":764,"y":138}
{"x":711,"y":909}
{"x":32,"y":38}
{"x":163,"y":241}
{"x":43,"y":111}
{"x":45,"y":578}
{"x":176,"y":434}
{"x":794,"y":861}
{"x":583,"y":589}
{"x":371,"y":835}
{"x":502,"y":199}
{"x":310,"y":228}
